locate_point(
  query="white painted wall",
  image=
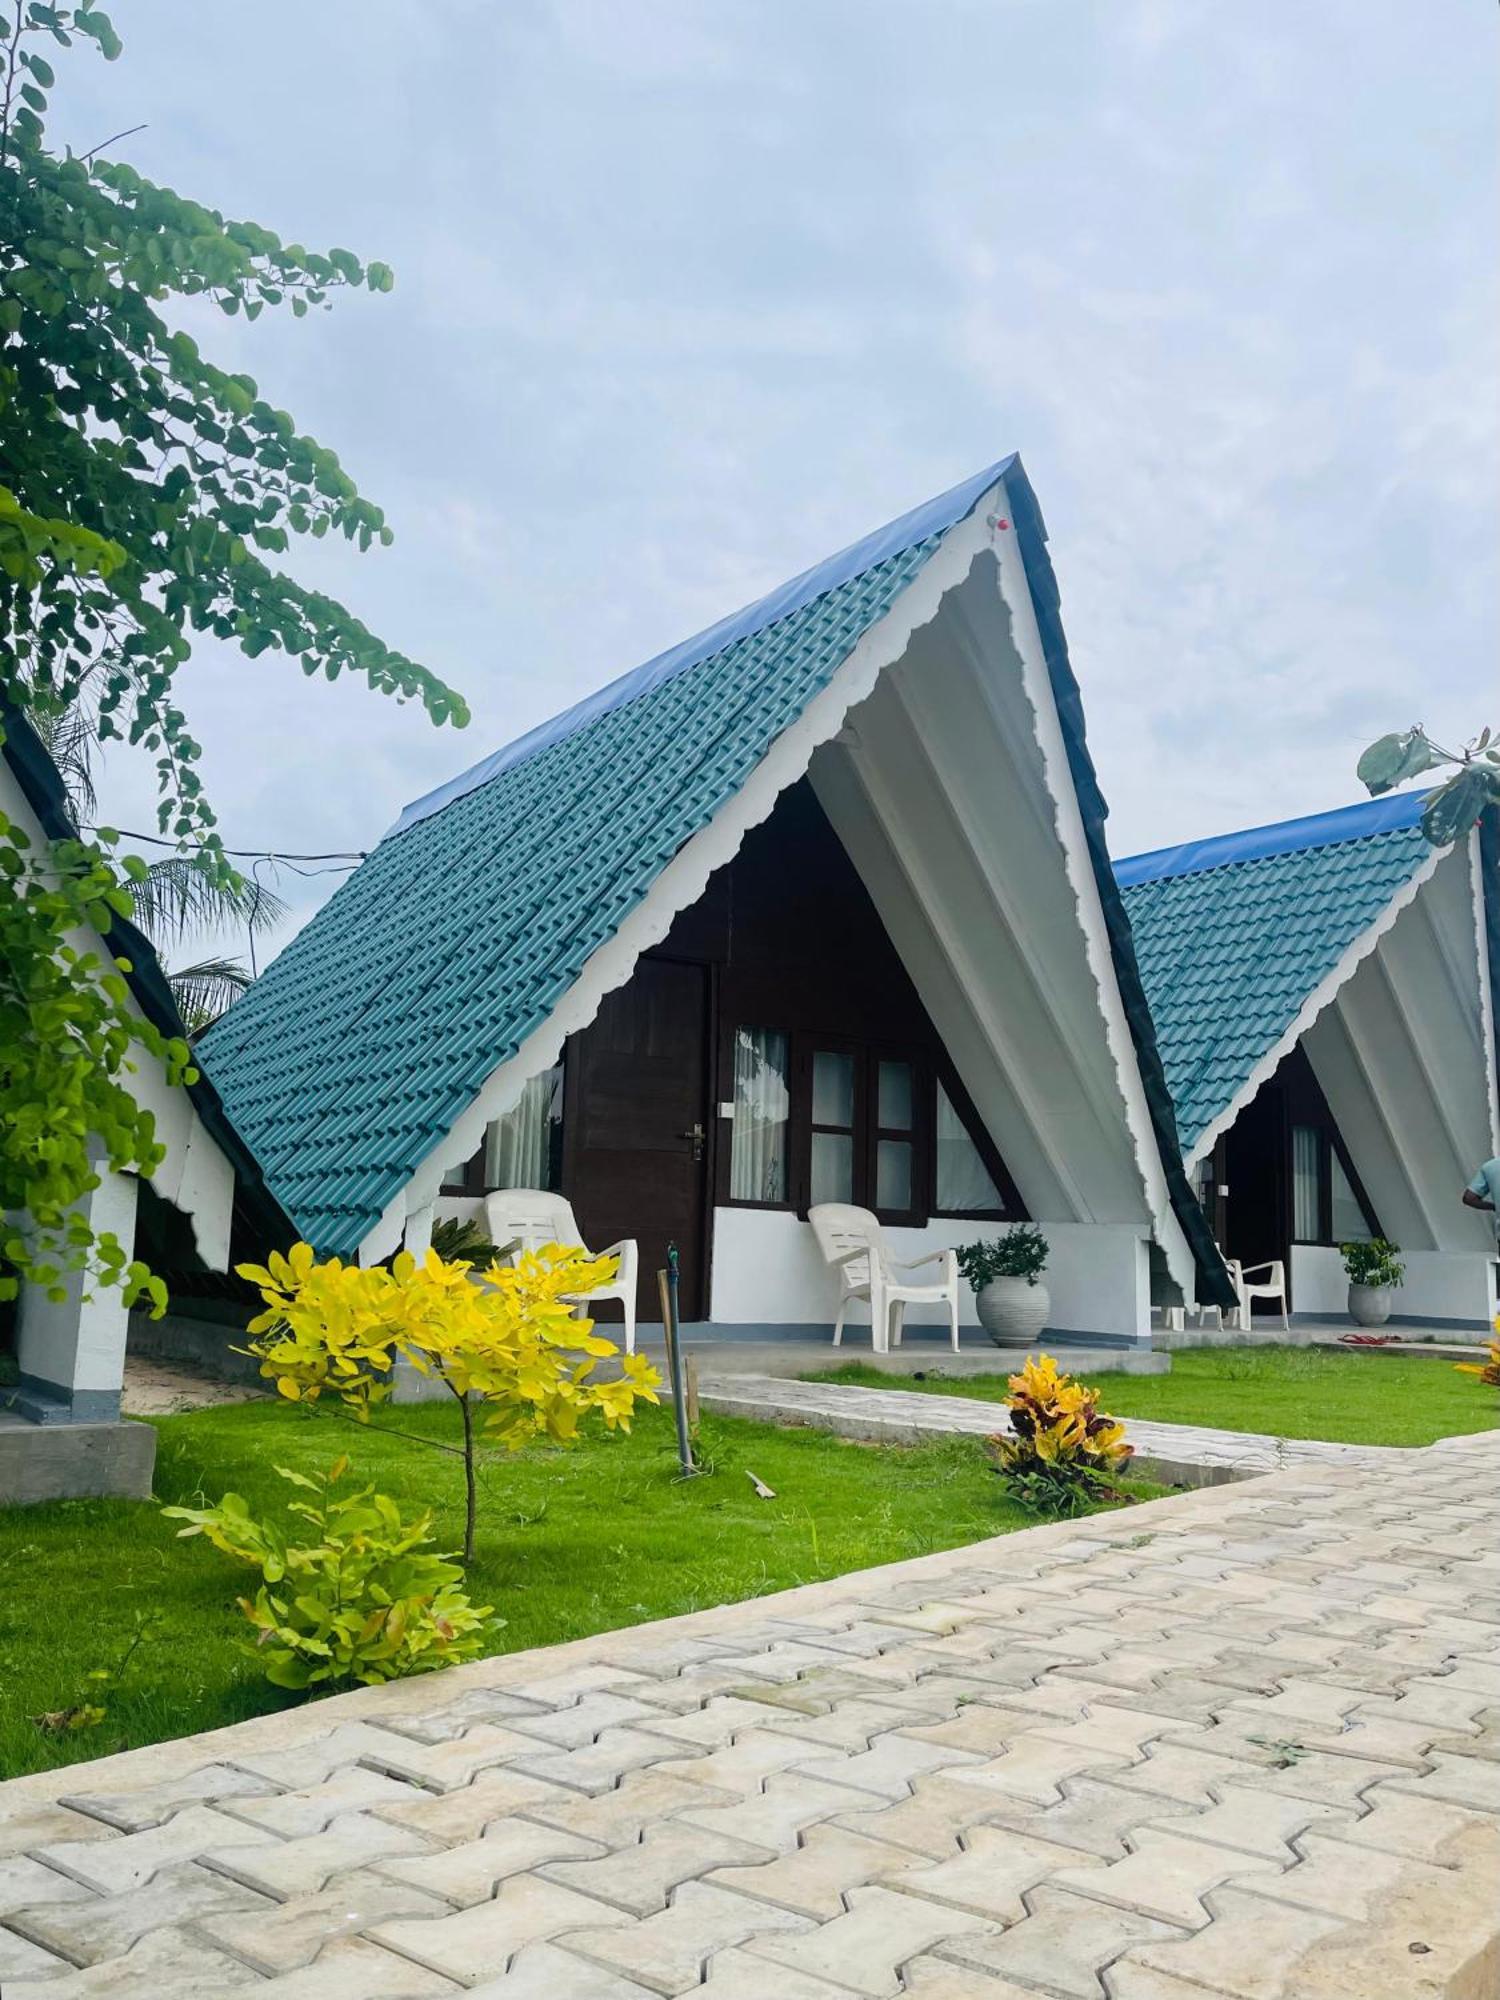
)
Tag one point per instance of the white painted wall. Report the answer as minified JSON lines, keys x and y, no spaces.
{"x":767,"y":1271}
{"x":1439,"y":1284}
{"x":76,"y":1344}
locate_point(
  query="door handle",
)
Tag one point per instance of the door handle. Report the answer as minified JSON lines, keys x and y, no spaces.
{"x":697,"y":1135}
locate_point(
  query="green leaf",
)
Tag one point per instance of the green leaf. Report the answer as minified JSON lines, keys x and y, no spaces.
{"x":1391,"y":760}
{"x":1454,"y":808}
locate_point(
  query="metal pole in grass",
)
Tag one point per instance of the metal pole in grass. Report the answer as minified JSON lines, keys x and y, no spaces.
{"x":667,"y":1281}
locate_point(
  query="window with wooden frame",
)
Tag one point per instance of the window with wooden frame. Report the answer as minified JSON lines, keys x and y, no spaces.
{"x":820,"y":1118}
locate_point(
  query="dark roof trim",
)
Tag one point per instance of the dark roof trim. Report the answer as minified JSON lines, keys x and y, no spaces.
{"x":47,"y":796}
{"x":893,"y":539}
{"x":1031,"y":532}
{"x":1390,"y":814}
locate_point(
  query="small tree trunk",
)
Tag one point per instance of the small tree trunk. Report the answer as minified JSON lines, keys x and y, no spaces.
{"x":469,"y":1491}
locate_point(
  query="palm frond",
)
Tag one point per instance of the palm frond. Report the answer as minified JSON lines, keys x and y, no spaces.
{"x":203,"y":991}
{"x":68,"y":738}
{"x":179,"y":899}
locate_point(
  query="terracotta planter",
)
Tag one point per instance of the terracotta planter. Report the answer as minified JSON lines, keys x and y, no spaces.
{"x":1013,"y":1312}
{"x":1370,"y":1305}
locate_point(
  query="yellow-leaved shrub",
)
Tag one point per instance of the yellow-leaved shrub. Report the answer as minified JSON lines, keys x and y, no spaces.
{"x":508,"y":1340}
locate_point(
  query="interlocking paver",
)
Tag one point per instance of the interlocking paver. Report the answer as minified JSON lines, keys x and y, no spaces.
{"x":778,"y":1816}
{"x":866,"y":1946}
{"x":468,"y":1945}
{"x":815,"y":1877}
{"x":464,"y":1814}
{"x":1061,"y":1946}
{"x":1168,"y":1876}
{"x":990,"y":1877}
{"x":355,"y":1788}
{"x":131,"y":1859}
{"x":1248,"y":1952}
{"x":1260,"y":1823}
{"x":301,"y":1866}
{"x":131,"y":1811}
{"x":599,"y":1766}
{"x":103,"y":1927}
{"x":617,"y":1818}
{"x":469,"y":1873}
{"x":668,"y":1951}
{"x":281,"y":1938}
{"x":641,"y":1878}
{"x":889,"y":1767}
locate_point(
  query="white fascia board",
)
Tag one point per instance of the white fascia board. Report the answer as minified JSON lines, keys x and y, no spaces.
{"x":1015,"y":588}
{"x":685,"y":876}
{"x":1323,"y":995}
{"x":1486,"y":991}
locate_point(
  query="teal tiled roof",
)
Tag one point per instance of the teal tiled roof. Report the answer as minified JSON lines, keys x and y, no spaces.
{"x":1234,"y":935}
{"x":363,"y":1041}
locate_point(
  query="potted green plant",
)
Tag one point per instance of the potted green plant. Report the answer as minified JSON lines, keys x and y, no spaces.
{"x":1003,"y":1274}
{"x":1375,"y":1269}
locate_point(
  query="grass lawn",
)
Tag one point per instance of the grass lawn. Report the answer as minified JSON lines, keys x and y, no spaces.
{"x":570,"y":1542}
{"x":1292,"y":1392}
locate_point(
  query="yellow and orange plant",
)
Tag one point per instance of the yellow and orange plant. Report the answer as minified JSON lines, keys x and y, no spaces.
{"x":508,"y":1340}
{"x":1063,"y":1453}
{"x":1487,"y":1371}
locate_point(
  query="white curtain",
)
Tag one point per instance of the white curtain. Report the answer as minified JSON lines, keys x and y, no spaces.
{"x":1307,"y":1183}
{"x":758,"y":1144}
{"x":518,"y":1147}
{"x":964,"y":1183}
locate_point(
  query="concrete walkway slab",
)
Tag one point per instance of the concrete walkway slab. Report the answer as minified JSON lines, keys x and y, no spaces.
{"x":1239,"y":1744}
{"x":1178,"y":1454}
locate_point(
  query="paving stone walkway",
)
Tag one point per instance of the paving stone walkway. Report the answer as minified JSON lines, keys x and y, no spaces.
{"x":1239,"y":1743}
{"x":1190,"y":1452}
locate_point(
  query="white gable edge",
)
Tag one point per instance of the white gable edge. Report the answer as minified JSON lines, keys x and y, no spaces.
{"x":1037,"y":684}
{"x":1323,"y":995}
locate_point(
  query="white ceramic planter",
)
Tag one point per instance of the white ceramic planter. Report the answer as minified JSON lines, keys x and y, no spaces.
{"x":1370,"y":1305}
{"x":1012,"y":1312}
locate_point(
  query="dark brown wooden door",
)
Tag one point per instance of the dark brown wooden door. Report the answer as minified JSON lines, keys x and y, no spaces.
{"x":638,"y":1112}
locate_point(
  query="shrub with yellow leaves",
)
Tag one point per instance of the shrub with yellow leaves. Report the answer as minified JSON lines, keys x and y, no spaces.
{"x":508,"y":1341}
{"x":1063,"y":1454}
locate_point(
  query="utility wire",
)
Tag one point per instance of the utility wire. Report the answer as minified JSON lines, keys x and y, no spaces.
{"x":349,"y":854}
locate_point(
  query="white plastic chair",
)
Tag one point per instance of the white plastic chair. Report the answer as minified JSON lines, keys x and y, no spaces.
{"x":1271,"y":1284}
{"x":526,"y":1219}
{"x":851,"y":1241}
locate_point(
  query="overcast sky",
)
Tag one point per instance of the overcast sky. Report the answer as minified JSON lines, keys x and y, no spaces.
{"x":689,"y":295}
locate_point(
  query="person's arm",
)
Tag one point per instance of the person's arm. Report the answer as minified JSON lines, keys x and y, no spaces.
{"x":1477,"y":1193}
{"x":1472,"y":1200}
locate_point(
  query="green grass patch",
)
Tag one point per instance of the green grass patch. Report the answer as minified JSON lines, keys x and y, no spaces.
{"x":1290,"y":1392}
{"x":571,"y":1542}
